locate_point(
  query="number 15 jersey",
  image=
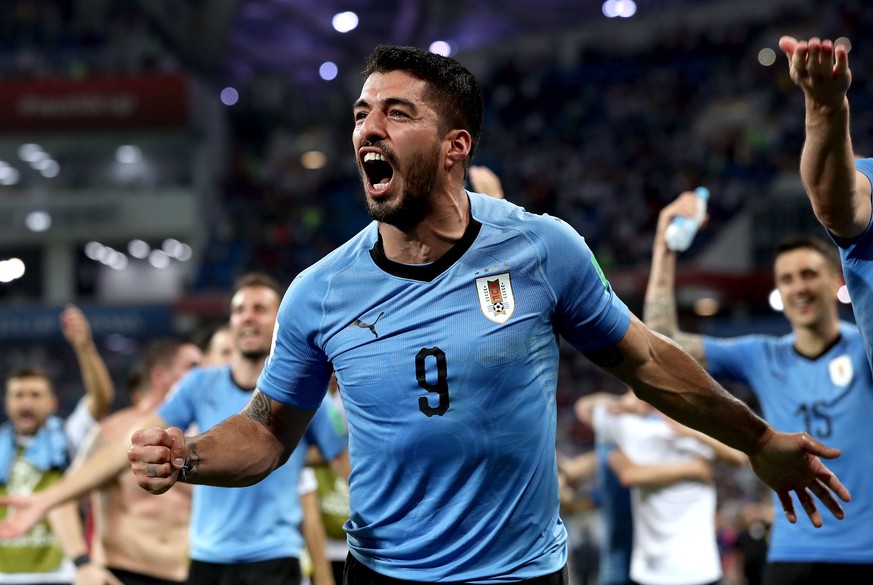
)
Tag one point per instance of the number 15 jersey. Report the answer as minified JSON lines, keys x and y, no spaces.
{"x":448,"y":374}
{"x":831,"y":398}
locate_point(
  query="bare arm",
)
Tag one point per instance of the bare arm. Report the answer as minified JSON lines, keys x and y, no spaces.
{"x":241,"y":450}
{"x":632,"y":475}
{"x":484,"y":180}
{"x":659,"y":309}
{"x":723,"y":453}
{"x":664,"y":375}
{"x":579,"y":467}
{"x":316,"y":539}
{"x":839,"y":194}
{"x":97,"y":463}
{"x":66,"y":525}
{"x":341,"y":465}
{"x":99,"y":390}
{"x":584,"y":407}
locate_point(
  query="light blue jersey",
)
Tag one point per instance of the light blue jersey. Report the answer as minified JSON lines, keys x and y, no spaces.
{"x":448,"y":374}
{"x":254,"y":523}
{"x":857,"y":259}
{"x":829,"y":397}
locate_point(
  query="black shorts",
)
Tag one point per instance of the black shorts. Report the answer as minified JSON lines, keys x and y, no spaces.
{"x":817,"y":573}
{"x":357,"y":573}
{"x":284,"y":571}
{"x":131,"y":578}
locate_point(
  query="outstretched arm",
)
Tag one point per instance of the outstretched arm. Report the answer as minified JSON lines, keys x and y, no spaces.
{"x":241,"y":450}
{"x":840,"y":195}
{"x":99,"y":390}
{"x":659,"y":309}
{"x":631,"y":474}
{"x":314,"y":534}
{"x":97,"y":463}
{"x":665,"y":376}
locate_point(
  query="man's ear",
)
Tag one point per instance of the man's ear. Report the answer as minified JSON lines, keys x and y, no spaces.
{"x":459,"y":144}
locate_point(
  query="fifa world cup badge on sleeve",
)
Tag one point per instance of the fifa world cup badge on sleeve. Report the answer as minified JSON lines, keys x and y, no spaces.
{"x":495,"y":297}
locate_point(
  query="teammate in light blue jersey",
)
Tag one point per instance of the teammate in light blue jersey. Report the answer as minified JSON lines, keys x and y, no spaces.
{"x":441,"y":320}
{"x":259,"y":522}
{"x":815,"y":380}
{"x":837,"y":181}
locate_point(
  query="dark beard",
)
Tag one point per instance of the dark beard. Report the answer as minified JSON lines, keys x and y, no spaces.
{"x":412,"y":205}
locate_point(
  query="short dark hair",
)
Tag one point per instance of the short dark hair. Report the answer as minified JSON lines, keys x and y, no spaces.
{"x":453,"y":90}
{"x":257,"y":279}
{"x":29,"y":372}
{"x":828,"y":251}
{"x":136,"y":379}
{"x":160,"y":352}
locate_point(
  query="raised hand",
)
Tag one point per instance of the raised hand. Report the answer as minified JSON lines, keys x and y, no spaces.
{"x":75,"y":326}
{"x":484,"y":180}
{"x":156,"y":457}
{"x":26,"y":511}
{"x":820,"y":68}
{"x":790,"y":462}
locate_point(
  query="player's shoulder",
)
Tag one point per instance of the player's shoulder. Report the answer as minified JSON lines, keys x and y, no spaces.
{"x":506,"y":216}
{"x":200,"y":377}
{"x":316,"y":278}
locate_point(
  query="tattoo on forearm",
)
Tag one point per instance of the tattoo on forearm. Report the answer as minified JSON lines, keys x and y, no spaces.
{"x":659,"y":314}
{"x":258,"y":408}
{"x":606,"y":357}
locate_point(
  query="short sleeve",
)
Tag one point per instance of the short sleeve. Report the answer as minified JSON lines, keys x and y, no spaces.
{"x":732,"y":359}
{"x":589,"y":314}
{"x":179,"y":407}
{"x":297,"y":371}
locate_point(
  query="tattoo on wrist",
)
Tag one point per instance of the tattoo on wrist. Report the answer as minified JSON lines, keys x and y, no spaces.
{"x":258,"y":408}
{"x":192,"y":463}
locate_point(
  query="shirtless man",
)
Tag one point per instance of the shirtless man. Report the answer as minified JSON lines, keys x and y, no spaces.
{"x":140,"y":539}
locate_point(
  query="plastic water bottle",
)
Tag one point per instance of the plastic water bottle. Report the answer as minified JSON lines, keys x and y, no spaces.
{"x":681,"y":231}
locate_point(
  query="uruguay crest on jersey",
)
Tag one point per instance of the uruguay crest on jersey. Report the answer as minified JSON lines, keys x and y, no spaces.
{"x":495,"y":297}
{"x":841,"y":371}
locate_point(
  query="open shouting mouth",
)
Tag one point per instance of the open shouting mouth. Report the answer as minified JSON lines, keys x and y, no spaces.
{"x":378,"y":171}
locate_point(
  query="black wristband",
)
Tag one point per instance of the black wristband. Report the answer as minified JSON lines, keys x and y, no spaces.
{"x":82,"y":559}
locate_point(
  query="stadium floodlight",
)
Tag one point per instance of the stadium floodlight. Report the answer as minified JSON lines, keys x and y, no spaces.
{"x":344,"y":22}
{"x":159,"y":259}
{"x":229,"y":96}
{"x":128,"y":154}
{"x":38,"y":221}
{"x":441,"y":48}
{"x":775,"y":300}
{"x":138,"y":249}
{"x":328,"y":70}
